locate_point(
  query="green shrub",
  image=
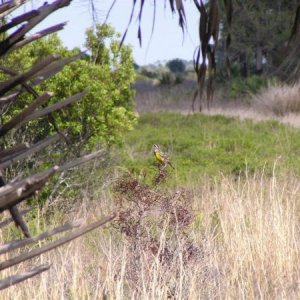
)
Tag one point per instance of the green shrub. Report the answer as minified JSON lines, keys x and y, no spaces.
{"x":246,"y":86}
{"x":100,"y":119}
{"x":148,"y":73}
{"x":179,"y":78}
{"x":106,"y":111}
{"x":166,"y":78}
{"x":176,"y":65}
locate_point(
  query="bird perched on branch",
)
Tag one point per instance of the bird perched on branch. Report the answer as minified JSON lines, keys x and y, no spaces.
{"x":162,"y":157}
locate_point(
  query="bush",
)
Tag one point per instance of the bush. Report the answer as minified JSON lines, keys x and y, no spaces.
{"x":279,"y":99}
{"x":179,"y":79}
{"x":148,"y":73}
{"x":107,"y":73}
{"x":98,"y":120}
{"x":250,"y":85}
{"x":166,"y":78}
{"x":156,"y":224}
{"x":176,"y":65}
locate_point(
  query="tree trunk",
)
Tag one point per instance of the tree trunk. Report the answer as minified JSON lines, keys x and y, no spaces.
{"x":259,"y":60}
{"x":243,"y":65}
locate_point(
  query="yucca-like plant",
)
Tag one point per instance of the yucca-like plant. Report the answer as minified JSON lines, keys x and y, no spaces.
{"x":14,"y":83}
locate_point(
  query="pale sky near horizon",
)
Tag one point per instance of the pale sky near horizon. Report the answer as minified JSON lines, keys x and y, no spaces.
{"x":166,"y":43}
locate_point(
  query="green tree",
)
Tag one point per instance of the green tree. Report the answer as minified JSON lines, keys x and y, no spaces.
{"x":176,"y":65}
{"x":259,"y":29}
{"x":106,"y":73}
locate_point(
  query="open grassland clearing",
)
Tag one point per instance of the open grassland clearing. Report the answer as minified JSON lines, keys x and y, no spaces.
{"x":202,"y":145}
{"x":224,"y":224}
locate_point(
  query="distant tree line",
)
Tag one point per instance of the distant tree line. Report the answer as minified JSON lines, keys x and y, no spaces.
{"x":259,"y":36}
{"x":260,"y":32}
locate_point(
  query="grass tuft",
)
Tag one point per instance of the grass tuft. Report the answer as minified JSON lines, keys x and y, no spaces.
{"x":279,"y":99}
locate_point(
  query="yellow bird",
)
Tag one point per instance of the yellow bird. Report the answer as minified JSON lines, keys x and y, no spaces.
{"x":161,"y":157}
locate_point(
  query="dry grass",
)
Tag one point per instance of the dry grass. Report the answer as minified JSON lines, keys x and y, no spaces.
{"x":246,"y":230}
{"x":280,"y":99}
{"x":280,"y":102}
{"x":151,"y":97}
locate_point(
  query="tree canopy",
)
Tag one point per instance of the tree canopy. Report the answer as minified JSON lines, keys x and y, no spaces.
{"x":176,"y":65}
{"x":106,"y":72}
{"x":260,"y":30}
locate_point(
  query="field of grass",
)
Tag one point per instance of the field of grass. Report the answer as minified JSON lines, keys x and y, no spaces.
{"x":212,"y":145}
{"x":244,"y":244}
{"x":224,"y":225}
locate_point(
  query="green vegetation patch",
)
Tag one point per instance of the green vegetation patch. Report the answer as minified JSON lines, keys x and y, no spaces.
{"x":210,"y":145}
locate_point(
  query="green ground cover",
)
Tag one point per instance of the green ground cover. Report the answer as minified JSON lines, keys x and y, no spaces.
{"x":211,"y":145}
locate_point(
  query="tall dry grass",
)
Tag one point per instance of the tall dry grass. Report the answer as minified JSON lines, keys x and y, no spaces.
{"x":246,"y":230}
{"x":152,"y":97}
{"x":280,"y":99}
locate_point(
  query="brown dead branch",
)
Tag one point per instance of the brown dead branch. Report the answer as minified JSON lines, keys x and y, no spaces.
{"x":208,"y":30}
{"x":9,"y":6}
{"x":10,"y":159}
{"x":18,"y":20}
{"x":19,"y":79}
{"x":179,"y":8}
{"x":54,"y":107}
{"x":13,"y":193}
{"x":24,"y":113}
{"x":19,"y":34}
{"x":23,"y":189}
{"x":20,"y":189}
{"x":37,"y":36}
{"x":9,"y":220}
{"x":9,"y":281}
{"x":81,"y":160}
{"x":19,"y":221}
{"x":12,"y":97}
{"x":21,"y":243}
{"x":8,"y":99}
{"x":47,"y":72}
{"x":15,"y":150}
{"x":35,"y":252}
{"x":15,"y":214}
{"x":54,"y":68}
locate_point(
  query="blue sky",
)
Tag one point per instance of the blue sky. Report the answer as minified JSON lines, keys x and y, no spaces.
{"x":166,"y":43}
